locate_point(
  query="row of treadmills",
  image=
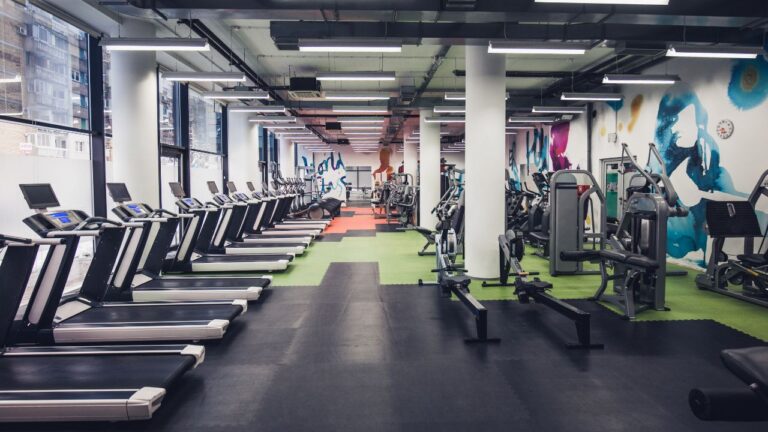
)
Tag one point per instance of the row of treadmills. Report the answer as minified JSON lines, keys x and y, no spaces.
{"x":156,"y":276}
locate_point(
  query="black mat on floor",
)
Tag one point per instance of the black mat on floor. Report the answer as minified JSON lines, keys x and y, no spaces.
{"x":346,"y":213}
{"x":330,"y":237}
{"x":360,"y":233}
{"x":351,"y":355}
{"x":393,"y":227}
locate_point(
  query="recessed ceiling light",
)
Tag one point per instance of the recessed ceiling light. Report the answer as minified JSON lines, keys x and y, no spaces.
{"x":554,"y":48}
{"x":355,"y":76}
{"x":155,"y":44}
{"x":714,"y":52}
{"x":604,"y":97}
{"x":228,"y":95}
{"x":641,"y":79}
{"x":349,"y":46}
{"x":204,"y":76}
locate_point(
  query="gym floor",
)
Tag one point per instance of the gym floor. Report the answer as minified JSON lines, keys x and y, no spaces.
{"x":346,"y":341}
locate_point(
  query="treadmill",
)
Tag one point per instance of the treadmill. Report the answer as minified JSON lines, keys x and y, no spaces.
{"x":262,"y":231}
{"x":86,"y":317}
{"x":149,"y":283}
{"x":196,"y":252}
{"x":236,"y":215}
{"x":282,"y":205}
{"x":77,"y":383}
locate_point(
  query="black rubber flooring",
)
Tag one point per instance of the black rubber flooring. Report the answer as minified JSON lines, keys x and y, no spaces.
{"x":351,"y":355}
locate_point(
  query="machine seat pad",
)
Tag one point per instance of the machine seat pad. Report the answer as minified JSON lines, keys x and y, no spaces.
{"x":457,"y":280}
{"x":586,"y":255}
{"x":424,"y":231}
{"x":749,"y":364}
{"x":540,"y":236}
{"x":754,"y":260}
{"x":630,"y":259}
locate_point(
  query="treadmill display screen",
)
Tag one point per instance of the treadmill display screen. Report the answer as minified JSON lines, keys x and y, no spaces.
{"x":224,"y":198}
{"x":189,"y":202}
{"x":61,"y":219}
{"x":241,"y":196}
{"x":136,"y":209}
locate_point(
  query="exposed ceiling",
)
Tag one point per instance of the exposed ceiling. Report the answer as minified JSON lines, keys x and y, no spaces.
{"x":261,"y":38}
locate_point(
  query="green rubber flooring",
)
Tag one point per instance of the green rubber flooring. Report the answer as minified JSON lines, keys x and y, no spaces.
{"x":399,"y":264}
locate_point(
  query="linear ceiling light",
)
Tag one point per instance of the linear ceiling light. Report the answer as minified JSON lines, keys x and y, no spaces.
{"x":272,"y":119}
{"x":445,"y":120}
{"x":418,"y":133}
{"x":555,"y":48}
{"x":296,"y":134}
{"x":641,"y":79}
{"x":531,"y":120}
{"x":604,"y":97}
{"x":227,"y":95}
{"x":519,"y":127}
{"x":714,"y":52}
{"x":349,"y":46}
{"x":205,"y":76}
{"x":559,"y":110}
{"x":361,"y":127}
{"x":360,"y":109}
{"x":155,"y":44}
{"x":337,"y":96}
{"x":11,"y":80}
{"x":445,"y":109}
{"x":363,"y":133}
{"x":511,"y":133}
{"x":611,"y":2}
{"x":458,"y":96}
{"x":343,"y":120}
{"x":275,"y":128}
{"x":355,"y":76}
{"x":257,"y":109}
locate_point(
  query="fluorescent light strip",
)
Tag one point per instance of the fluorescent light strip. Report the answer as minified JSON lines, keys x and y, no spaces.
{"x":531,"y":120}
{"x":12,"y":80}
{"x":343,"y":120}
{"x":559,"y":110}
{"x":204,"y":76}
{"x":641,"y":79}
{"x":155,"y":44}
{"x":418,"y":134}
{"x":274,"y":128}
{"x":349,"y":46}
{"x":257,"y":109}
{"x":336,"y":96}
{"x":714,"y":52}
{"x":449,"y":109}
{"x":445,"y":120}
{"x":519,"y":127}
{"x":355,"y":76}
{"x":235,"y":95}
{"x":361,"y":127}
{"x":511,"y":133}
{"x":458,"y":96}
{"x":360,"y":109}
{"x":558,"y":48}
{"x":604,"y":97}
{"x":272,"y":119}
{"x":611,"y":2}
{"x":363,"y":133}
{"x":296,"y":134}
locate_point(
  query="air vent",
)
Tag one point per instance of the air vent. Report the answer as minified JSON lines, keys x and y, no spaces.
{"x":334,"y":126}
{"x":304,"y":88}
{"x":407,"y":94}
{"x":342,"y":141}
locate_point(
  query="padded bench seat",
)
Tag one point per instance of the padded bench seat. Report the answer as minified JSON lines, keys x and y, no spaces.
{"x":749,"y":364}
{"x":754,"y":260}
{"x":630,"y":259}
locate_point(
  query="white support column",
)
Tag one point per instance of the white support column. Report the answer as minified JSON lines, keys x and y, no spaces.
{"x":134,"y":116}
{"x":243,"y":150}
{"x":287,"y":167}
{"x":485,"y":160}
{"x":411,"y":157}
{"x":429,"y":170}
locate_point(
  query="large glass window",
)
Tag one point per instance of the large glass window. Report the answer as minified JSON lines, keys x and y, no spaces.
{"x":107,"y":65}
{"x":204,"y":124}
{"x":167,"y":111}
{"x":205,"y":167}
{"x":49,"y":60}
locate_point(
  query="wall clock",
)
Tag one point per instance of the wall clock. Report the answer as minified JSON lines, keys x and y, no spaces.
{"x":725,"y":129}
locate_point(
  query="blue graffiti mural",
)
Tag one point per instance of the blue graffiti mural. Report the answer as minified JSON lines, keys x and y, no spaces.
{"x":514,"y":172}
{"x":749,"y":83}
{"x":616,"y":106}
{"x":536,"y":152}
{"x":332,"y":177}
{"x":702,"y":167}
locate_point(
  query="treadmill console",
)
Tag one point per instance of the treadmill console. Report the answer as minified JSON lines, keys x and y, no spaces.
{"x":58,"y":220}
{"x":240,"y":196}
{"x":187,"y":204}
{"x":129,"y":210}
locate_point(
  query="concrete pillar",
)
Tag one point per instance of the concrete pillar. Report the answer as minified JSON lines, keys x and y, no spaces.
{"x":411,"y":157}
{"x":429,"y":170}
{"x":243,"y":149}
{"x":485,"y":160}
{"x":134,"y":116}
{"x":287,"y":167}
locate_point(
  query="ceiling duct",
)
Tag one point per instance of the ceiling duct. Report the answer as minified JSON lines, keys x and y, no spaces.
{"x":407,"y":95}
{"x":459,"y":5}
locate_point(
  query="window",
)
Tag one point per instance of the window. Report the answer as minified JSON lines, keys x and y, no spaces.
{"x":107,"y":65}
{"x":204,"y":124}
{"x":51,"y":58}
{"x":167,"y":112}
{"x":204,"y":167}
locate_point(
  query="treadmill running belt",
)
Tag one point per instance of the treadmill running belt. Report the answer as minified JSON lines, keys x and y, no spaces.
{"x":91,"y":372}
{"x":262,"y":245}
{"x":204,"y":284}
{"x":169,"y":313}
{"x":207,"y":259}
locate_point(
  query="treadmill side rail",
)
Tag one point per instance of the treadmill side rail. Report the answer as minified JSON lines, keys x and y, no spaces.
{"x":77,"y":333}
